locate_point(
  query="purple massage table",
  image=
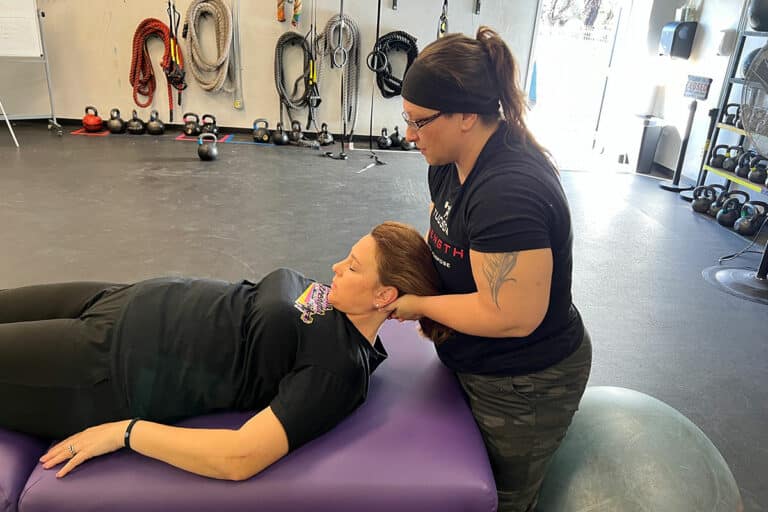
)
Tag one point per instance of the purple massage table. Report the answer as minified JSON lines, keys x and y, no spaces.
{"x":413,"y":446}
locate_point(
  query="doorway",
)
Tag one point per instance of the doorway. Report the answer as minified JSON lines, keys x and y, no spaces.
{"x":572,"y":58}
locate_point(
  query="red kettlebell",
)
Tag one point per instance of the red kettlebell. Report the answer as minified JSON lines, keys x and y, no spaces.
{"x":91,"y":121}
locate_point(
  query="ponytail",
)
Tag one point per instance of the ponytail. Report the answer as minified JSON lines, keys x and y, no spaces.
{"x":511,"y":95}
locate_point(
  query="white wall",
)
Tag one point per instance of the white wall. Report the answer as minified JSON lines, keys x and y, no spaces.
{"x":654,"y":84}
{"x":89,"y":45}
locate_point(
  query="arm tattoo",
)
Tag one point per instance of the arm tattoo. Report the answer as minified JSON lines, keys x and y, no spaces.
{"x":496,"y":269}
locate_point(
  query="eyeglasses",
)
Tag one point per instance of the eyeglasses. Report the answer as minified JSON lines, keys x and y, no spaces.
{"x":418,"y":124}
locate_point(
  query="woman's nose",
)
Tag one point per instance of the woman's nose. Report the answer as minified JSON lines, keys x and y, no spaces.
{"x":335,"y":268}
{"x":411,"y":134}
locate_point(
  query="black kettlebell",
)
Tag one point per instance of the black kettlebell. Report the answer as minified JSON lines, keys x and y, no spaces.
{"x":406,"y":144}
{"x":718,"y":203}
{"x":261,"y":131}
{"x":325,"y":138}
{"x":115,"y":124}
{"x":743,"y":167}
{"x":209,"y":125}
{"x":384,"y":141}
{"x":758,"y":15}
{"x":191,"y":124}
{"x":206,"y":147}
{"x":395,"y":138}
{"x":135,"y":125}
{"x":155,"y":126}
{"x":718,"y":158}
{"x":279,"y":137}
{"x":732,"y":158}
{"x":753,"y":214}
{"x":295,"y":135}
{"x":730,"y":211}
{"x":730,"y":117}
{"x":757,"y":172}
{"x":703,"y":197}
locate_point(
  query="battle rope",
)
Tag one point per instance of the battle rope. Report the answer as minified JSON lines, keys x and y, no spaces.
{"x":142,"y":78}
{"x":199,"y":66}
{"x":389,"y":84}
{"x":294,"y":100}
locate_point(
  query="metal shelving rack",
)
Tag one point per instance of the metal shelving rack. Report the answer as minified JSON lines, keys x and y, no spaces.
{"x":745,"y":283}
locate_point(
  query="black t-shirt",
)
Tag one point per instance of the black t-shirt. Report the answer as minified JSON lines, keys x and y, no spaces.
{"x":511,"y":201}
{"x":184,"y":347}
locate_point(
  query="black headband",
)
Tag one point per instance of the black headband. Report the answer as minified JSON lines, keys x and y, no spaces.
{"x":426,"y":89}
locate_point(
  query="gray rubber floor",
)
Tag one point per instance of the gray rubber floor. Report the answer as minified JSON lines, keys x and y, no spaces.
{"x":124,"y":208}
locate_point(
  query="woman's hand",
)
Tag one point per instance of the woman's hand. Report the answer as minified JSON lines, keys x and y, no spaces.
{"x":404,"y":308}
{"x":89,"y":443}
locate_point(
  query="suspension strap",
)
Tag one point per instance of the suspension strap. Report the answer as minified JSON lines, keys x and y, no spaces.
{"x":442,"y":26}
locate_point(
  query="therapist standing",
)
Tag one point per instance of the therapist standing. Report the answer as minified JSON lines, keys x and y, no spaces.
{"x":501,"y":240}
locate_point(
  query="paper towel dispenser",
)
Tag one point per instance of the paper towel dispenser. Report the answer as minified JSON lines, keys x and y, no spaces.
{"x":677,"y":39}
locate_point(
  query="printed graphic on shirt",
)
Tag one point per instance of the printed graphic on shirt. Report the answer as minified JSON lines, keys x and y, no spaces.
{"x":443,"y":252}
{"x":314,"y":301}
{"x":442,"y":218}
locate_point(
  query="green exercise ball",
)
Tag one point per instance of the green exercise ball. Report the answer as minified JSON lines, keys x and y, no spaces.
{"x":626,"y":451}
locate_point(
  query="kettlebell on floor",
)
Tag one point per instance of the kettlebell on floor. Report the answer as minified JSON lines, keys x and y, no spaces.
{"x":135,"y":125}
{"x":206,"y":147}
{"x":155,"y":126}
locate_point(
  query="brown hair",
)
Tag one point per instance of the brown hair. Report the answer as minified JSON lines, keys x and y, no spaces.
{"x":404,"y":261}
{"x":468,"y":62}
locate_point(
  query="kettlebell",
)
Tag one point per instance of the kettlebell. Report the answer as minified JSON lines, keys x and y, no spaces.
{"x":206,"y":147}
{"x":753,"y":214}
{"x":209,"y":125}
{"x":115,"y":124}
{"x":718,"y":202}
{"x":743,"y":167}
{"x":730,"y":211}
{"x":261,"y":131}
{"x":395,"y":138}
{"x":325,"y":138}
{"x":295,"y":135}
{"x":155,"y":126}
{"x":732,"y":158}
{"x":91,"y":120}
{"x":718,"y":158}
{"x":730,"y":117}
{"x":191,"y":124}
{"x":703,"y":197}
{"x":279,"y":137}
{"x":135,"y":125}
{"x":406,"y":144}
{"x":384,"y":141}
{"x":757,"y":172}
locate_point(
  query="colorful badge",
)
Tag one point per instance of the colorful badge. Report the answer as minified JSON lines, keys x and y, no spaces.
{"x":314,"y":301}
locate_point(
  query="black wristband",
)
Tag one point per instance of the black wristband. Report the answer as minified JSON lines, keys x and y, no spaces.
{"x":127,"y":436}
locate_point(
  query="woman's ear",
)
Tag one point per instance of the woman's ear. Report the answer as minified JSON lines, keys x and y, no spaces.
{"x":386,"y":295}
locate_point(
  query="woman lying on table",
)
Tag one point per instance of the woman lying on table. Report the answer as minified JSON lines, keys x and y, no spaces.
{"x":103,"y":366}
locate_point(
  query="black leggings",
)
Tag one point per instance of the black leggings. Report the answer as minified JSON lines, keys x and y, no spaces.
{"x":54,"y":358}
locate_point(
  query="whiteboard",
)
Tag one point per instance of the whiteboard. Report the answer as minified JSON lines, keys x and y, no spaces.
{"x":19,"y":29}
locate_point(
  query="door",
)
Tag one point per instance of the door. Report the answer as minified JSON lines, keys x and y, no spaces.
{"x":571,"y":63}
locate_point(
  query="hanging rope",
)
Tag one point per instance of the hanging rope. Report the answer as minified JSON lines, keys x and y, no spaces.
{"x":347,"y":56}
{"x":294,"y":100}
{"x":199,"y":66}
{"x":142,"y":78}
{"x":390,"y":85}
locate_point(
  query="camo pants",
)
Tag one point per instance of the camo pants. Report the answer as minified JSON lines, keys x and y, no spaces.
{"x":523,"y":418}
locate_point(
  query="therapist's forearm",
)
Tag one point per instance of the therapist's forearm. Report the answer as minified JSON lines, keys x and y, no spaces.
{"x":469,"y":314}
{"x":206,"y":452}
